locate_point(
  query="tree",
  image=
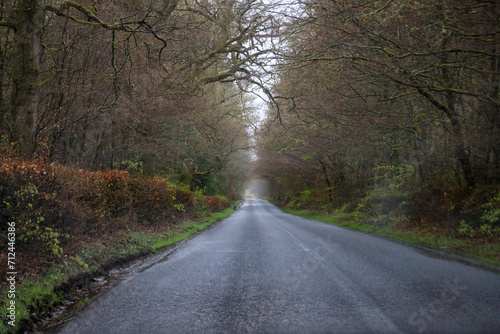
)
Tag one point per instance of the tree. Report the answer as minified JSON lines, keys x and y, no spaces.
{"x":384,"y":102}
{"x":191,"y":43}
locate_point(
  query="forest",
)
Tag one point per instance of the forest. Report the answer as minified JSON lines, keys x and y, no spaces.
{"x":390,"y":109}
{"x":148,"y":87}
{"x":118,"y":115}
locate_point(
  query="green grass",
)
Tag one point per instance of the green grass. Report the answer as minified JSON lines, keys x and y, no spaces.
{"x":32,"y":296}
{"x":35,"y":296}
{"x":189,"y":228}
{"x":477,"y":249}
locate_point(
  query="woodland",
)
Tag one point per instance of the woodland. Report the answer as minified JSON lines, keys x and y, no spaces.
{"x":390,"y":110}
{"x":120,"y":114}
{"x":146,"y":87}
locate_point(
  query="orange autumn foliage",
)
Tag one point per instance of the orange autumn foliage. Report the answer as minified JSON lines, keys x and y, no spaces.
{"x":77,"y":201}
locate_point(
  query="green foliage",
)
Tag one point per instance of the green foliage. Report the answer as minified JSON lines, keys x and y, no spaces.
{"x":342,"y":209}
{"x":391,"y":195}
{"x":402,"y":172}
{"x":133,"y":165}
{"x":78,"y":260}
{"x":212,"y":184}
{"x":25,"y":206}
{"x":491,"y":213}
{"x":50,"y":237}
{"x":301,"y":199}
{"x":199,"y":203}
{"x":486,"y":230}
{"x":179,"y":207}
{"x":466,"y":230}
{"x":360,"y":208}
{"x":26,"y":193}
{"x":483,"y":231}
{"x":33,"y":296}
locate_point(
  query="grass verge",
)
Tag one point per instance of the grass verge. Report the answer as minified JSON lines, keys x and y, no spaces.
{"x":33,"y":296}
{"x":488,"y":253}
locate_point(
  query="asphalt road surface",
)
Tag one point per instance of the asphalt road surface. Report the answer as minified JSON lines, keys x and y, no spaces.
{"x":264,"y":271}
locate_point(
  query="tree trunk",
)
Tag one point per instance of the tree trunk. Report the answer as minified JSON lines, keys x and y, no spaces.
{"x":460,"y":149}
{"x":495,"y":108}
{"x":26,"y":83}
{"x":3,"y":106}
{"x":327,"y":180}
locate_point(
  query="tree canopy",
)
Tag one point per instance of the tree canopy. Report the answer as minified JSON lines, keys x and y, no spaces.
{"x":104,"y":84}
{"x":392,"y":102}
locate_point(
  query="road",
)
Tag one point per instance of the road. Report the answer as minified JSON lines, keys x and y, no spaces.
{"x":264,"y":271}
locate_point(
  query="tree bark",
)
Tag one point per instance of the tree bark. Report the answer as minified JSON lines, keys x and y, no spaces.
{"x":327,"y":180}
{"x":26,"y":83}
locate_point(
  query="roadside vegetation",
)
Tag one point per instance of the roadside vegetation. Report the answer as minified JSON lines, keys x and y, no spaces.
{"x":72,"y":225}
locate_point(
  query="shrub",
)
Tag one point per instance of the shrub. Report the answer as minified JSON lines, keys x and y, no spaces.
{"x":389,"y":200}
{"x":491,"y":213}
{"x":152,"y":199}
{"x":50,"y":204}
{"x":215,"y":204}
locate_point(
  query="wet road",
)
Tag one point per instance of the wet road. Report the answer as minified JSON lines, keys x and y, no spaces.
{"x":264,"y":271}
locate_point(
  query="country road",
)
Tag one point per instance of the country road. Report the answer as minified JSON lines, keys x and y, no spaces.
{"x":264,"y":271}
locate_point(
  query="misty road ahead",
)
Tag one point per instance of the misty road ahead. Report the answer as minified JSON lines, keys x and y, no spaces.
{"x":264,"y":271}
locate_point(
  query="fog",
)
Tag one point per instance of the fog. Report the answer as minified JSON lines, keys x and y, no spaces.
{"x":257,"y":188}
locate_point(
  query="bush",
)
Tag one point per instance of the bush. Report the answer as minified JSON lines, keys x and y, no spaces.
{"x":152,"y":199}
{"x":49,"y":202}
{"x":491,"y":213}
{"x":215,"y":204}
{"x":29,"y":198}
{"x":390,"y":198}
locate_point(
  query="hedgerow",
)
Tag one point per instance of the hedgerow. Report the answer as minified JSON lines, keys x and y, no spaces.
{"x":51,"y":204}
